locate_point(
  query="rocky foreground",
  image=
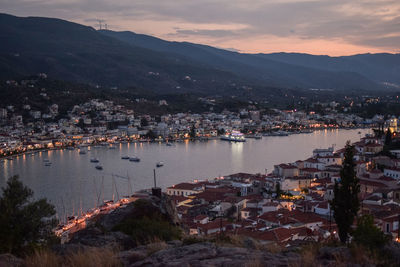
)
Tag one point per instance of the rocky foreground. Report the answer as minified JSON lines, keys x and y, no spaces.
{"x":103,"y":244}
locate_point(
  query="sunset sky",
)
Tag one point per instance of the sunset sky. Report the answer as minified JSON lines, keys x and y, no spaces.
{"x":332,"y":27}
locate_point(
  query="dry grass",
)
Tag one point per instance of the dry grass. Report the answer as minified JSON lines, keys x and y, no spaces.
{"x":154,"y":247}
{"x":309,"y":254}
{"x":99,"y":257}
{"x":43,"y":258}
{"x":93,"y":257}
{"x":256,"y":262}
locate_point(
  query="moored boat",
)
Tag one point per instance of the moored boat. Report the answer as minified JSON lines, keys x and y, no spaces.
{"x":160,"y":164}
{"x":134,"y":159}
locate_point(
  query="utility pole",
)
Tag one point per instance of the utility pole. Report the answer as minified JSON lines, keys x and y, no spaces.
{"x":155,"y":181}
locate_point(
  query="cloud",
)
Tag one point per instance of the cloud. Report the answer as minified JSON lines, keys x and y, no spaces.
{"x":370,"y":25}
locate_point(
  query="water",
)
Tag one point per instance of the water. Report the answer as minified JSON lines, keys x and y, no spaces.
{"x":73,"y":182}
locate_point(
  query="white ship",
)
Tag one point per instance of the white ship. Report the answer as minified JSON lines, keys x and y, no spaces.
{"x":234,"y":136}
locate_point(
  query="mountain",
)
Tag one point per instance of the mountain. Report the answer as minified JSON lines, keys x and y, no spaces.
{"x":256,"y":67}
{"x":381,"y":68}
{"x":73,"y":52}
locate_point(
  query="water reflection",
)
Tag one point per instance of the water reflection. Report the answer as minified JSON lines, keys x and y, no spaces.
{"x":72,"y":176}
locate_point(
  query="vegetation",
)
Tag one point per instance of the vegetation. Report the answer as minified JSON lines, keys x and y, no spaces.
{"x":101,"y":257}
{"x":368,"y":235}
{"x":345,"y":204}
{"x":24,"y":223}
{"x":148,"y":224}
{"x":278,"y":190}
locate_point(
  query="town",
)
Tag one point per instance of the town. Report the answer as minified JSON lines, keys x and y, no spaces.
{"x":24,"y":128}
{"x":291,"y":205}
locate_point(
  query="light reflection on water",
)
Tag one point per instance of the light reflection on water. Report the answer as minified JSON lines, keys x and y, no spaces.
{"x":72,"y":181}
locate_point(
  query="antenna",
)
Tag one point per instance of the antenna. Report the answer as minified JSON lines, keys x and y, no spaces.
{"x":100,"y":23}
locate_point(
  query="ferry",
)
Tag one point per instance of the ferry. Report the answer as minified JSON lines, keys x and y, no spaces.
{"x":235,"y":136}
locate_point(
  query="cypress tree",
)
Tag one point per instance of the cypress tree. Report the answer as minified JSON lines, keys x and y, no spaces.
{"x":388,"y":138}
{"x":345,"y":203}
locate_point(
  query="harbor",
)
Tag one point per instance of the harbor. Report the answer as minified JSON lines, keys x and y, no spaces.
{"x":72,"y":181}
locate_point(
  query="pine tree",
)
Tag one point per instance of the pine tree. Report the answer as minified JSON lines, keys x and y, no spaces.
{"x":345,"y":204}
{"x":23,"y":222}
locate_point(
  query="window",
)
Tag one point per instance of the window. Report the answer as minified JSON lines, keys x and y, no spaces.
{"x":387,"y":228}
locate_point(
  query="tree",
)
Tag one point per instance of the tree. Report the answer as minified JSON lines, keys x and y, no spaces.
{"x":23,"y":222}
{"x":345,"y":203}
{"x":144,"y":122}
{"x":278,"y":190}
{"x":368,"y":235}
{"x":151,"y":135}
{"x":192,"y":132}
{"x":388,"y":137}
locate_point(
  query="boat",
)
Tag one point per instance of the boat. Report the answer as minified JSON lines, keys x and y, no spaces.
{"x":168,"y":144}
{"x":99,"y":167}
{"x":125,"y":157}
{"x":160,"y":164}
{"x":134,"y":159}
{"x":234,"y":136}
{"x":94,"y":160}
{"x":47,"y":164}
{"x":255,"y":136}
{"x":71,"y":148}
{"x":82,"y":151}
{"x":279,"y":133}
{"x":112,"y":147}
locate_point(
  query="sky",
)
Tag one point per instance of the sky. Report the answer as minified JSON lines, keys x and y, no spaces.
{"x":328,"y":27}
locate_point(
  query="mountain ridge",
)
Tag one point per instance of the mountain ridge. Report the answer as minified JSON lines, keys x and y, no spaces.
{"x":74,"y":52}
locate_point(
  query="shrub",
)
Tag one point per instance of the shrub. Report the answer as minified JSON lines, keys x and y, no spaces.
{"x":368,"y":235}
{"x":147,"y":224}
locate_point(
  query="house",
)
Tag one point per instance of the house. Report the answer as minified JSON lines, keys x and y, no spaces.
{"x":286,"y":170}
{"x":201,"y":219}
{"x":296,"y":183}
{"x":311,"y":172}
{"x":314,"y":164}
{"x":393,"y":172}
{"x":184,"y":189}
{"x":323,"y":208}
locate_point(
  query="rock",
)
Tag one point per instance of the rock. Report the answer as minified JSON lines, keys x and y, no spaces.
{"x":209,"y":254}
{"x":9,"y":260}
{"x":333,"y":253}
{"x":94,"y":238}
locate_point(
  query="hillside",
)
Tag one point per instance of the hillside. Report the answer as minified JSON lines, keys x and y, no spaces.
{"x":69,"y":51}
{"x":263,"y":70}
{"x":73,"y":52}
{"x":381,"y":68}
